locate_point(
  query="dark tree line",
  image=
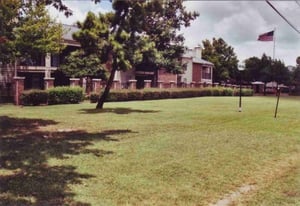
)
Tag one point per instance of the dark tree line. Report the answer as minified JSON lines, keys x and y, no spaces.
{"x":264,"y":69}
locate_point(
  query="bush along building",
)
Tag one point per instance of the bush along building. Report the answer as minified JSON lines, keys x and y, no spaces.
{"x":43,"y":73}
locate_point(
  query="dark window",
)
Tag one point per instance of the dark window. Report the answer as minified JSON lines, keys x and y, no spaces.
{"x":206,"y":73}
{"x":54,"y":60}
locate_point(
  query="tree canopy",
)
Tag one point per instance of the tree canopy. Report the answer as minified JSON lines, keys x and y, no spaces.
{"x":87,"y":61}
{"x":295,"y":76}
{"x":8,"y":14}
{"x":223,"y":57}
{"x":27,"y":30}
{"x":37,"y":34}
{"x":266,"y":70}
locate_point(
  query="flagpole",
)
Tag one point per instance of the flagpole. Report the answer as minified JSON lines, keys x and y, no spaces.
{"x":277,"y":89}
{"x":274,"y":40}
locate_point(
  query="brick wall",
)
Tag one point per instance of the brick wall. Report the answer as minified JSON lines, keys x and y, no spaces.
{"x":19,"y":88}
{"x":166,"y":77}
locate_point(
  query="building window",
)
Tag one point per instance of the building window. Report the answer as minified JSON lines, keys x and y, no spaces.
{"x":54,"y":60}
{"x":37,"y":60}
{"x":206,"y":73}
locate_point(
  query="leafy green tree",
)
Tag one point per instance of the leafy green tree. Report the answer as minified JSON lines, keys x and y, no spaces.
{"x":136,"y":32}
{"x":252,"y":70}
{"x":295,"y":76}
{"x":266,"y":70}
{"x":37,"y":34}
{"x":78,"y":64}
{"x":279,"y":72}
{"x":88,"y":60}
{"x":9,"y":10}
{"x":27,"y":31}
{"x":223,"y":57}
{"x":163,"y":20}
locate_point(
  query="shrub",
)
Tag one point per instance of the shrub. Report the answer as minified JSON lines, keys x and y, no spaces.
{"x":149,"y":95}
{"x":176,"y":94}
{"x":117,"y":96}
{"x":65,"y":95}
{"x":152,"y":94}
{"x":215,"y":92}
{"x":189,"y":93}
{"x":245,"y":92}
{"x":207,"y":91}
{"x":34,"y":97}
{"x":227,"y":92}
{"x":165,"y":94}
{"x":134,"y":95}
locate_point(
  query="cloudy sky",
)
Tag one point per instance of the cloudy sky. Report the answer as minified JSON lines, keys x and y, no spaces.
{"x":238,"y":22}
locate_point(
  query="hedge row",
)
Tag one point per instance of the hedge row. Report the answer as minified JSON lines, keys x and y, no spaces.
{"x":34,"y":97}
{"x":152,"y":94}
{"x":73,"y":95}
{"x":65,"y":95}
{"x":57,"y":95}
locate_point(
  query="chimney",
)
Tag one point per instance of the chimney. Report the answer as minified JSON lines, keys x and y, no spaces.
{"x":198,"y":52}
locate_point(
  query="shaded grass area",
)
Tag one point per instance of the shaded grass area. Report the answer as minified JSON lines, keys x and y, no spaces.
{"x":26,"y":178}
{"x":167,"y":152}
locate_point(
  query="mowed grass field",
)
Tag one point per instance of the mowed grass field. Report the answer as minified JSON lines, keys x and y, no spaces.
{"x":193,"y":151}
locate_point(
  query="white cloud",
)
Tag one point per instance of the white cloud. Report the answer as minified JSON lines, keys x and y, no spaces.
{"x":80,"y":10}
{"x":240,"y":22}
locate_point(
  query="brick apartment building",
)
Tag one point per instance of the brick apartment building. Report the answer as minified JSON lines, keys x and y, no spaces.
{"x":42,"y":73}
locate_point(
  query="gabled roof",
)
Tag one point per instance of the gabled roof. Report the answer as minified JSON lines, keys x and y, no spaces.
{"x":197,"y":60}
{"x":202,"y":61}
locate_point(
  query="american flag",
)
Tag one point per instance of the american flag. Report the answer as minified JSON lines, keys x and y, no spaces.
{"x":266,"y":36}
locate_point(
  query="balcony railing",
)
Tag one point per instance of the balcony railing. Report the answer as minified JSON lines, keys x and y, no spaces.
{"x":35,"y":68}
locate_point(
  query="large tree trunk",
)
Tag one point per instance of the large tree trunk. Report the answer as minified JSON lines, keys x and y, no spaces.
{"x":103,"y":97}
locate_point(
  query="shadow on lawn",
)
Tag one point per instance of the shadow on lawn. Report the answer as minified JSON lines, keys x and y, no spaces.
{"x":25,"y":176}
{"x":117,"y":111}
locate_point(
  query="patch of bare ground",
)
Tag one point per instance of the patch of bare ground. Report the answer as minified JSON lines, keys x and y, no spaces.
{"x":260,"y":180}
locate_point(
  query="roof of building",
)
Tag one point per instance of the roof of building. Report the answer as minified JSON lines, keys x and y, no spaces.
{"x":197,"y":59}
{"x":69,"y":30}
{"x":68,"y":35}
{"x":202,"y":61}
{"x":257,"y":82}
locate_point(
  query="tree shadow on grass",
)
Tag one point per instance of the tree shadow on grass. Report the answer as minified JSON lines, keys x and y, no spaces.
{"x":26,"y":178}
{"x":118,"y":110}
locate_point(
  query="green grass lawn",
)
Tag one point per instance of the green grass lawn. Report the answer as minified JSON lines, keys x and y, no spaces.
{"x":168,"y":152}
